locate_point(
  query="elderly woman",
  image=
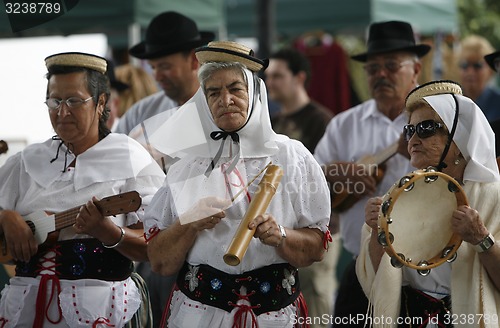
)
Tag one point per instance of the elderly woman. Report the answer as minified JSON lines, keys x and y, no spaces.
{"x":230,"y":114}
{"x":448,"y":131}
{"x":82,"y":275}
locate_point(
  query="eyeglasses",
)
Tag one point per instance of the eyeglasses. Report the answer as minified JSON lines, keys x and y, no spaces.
{"x":71,"y":102}
{"x":476,"y":66}
{"x":392,"y":66}
{"x":424,"y":129}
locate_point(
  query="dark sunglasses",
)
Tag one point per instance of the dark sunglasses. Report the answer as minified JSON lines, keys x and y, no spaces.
{"x":424,"y":129}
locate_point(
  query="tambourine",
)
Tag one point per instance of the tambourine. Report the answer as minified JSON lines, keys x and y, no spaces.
{"x":414,"y":222}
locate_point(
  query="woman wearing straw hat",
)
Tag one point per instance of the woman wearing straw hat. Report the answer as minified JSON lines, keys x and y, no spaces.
{"x":223,"y":141}
{"x":82,"y":275}
{"x":450,"y":132}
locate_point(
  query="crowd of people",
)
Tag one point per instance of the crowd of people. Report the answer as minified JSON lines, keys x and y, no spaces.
{"x":126,"y":216}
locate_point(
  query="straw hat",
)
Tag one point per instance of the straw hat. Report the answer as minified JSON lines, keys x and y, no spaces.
{"x":229,"y":51}
{"x":391,"y":36}
{"x":77,"y":59}
{"x":431,"y":89}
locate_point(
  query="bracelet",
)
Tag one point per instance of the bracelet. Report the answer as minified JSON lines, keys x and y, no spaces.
{"x":122,"y":236}
{"x":283,"y":234}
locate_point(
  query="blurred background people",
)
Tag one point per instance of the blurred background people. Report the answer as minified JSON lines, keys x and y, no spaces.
{"x":116,"y":89}
{"x":305,"y":120}
{"x":141,"y":84}
{"x":475,"y":76}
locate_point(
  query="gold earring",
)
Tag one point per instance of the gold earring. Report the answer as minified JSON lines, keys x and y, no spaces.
{"x":457,"y":161}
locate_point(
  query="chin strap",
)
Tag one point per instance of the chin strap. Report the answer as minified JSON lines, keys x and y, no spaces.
{"x":442,"y":164}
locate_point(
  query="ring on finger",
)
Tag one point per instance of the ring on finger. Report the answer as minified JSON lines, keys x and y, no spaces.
{"x":267,"y":232}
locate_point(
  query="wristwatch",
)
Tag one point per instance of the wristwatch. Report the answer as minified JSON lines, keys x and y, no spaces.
{"x":485,"y":244}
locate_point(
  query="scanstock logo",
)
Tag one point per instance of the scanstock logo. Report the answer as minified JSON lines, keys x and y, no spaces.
{"x":26,"y":14}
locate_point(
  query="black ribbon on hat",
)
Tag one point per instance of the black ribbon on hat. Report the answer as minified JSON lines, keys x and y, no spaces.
{"x":218,"y":135}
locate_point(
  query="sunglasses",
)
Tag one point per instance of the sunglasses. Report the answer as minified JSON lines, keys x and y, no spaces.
{"x":424,"y":129}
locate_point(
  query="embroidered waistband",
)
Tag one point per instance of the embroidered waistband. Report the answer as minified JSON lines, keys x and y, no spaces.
{"x":268,"y":289}
{"x":79,"y":259}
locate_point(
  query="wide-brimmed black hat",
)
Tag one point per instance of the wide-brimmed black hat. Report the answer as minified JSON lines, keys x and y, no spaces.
{"x":391,"y":36}
{"x":490,"y":59}
{"x":168,"y":33}
{"x":115,"y":84}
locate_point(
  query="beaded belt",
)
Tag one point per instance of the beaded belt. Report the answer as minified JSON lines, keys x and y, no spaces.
{"x":79,"y":259}
{"x":268,"y":289}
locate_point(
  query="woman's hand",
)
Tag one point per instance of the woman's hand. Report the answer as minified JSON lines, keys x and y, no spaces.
{"x":267,"y":230}
{"x":19,"y":238}
{"x":206,"y":213}
{"x":467,"y":223}
{"x":372,"y":208}
{"x":89,"y":220}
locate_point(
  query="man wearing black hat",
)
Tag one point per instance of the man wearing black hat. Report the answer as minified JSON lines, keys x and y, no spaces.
{"x":169,"y":48}
{"x":392,"y":66}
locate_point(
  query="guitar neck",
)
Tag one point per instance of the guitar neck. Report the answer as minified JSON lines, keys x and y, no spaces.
{"x":112,"y":205}
{"x":386,"y":153}
{"x":66,"y":218}
{"x":380,"y":157}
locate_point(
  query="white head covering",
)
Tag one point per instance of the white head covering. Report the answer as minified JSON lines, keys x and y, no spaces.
{"x":473,"y":136}
{"x":187,"y":132}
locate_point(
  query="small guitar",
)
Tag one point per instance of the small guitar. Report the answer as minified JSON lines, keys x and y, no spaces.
{"x":344,"y":200}
{"x":41,"y":224}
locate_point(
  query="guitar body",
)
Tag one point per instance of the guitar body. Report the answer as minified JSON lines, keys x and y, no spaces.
{"x":46,"y":228}
{"x":374,"y":164}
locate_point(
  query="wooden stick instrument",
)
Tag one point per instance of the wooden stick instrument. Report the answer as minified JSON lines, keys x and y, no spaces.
{"x":260,"y":201}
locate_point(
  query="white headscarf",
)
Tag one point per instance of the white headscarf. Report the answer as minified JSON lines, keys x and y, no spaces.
{"x":186,"y":135}
{"x":473,"y":136}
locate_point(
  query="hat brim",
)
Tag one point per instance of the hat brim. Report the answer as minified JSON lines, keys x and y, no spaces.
{"x":420,"y":50}
{"x":213,"y":54}
{"x":118,"y":85}
{"x":490,"y":59}
{"x":139,"y":50}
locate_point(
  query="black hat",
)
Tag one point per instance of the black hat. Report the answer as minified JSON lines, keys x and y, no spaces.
{"x":115,"y":84}
{"x":490,"y":59}
{"x":391,"y":36}
{"x":168,"y":33}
